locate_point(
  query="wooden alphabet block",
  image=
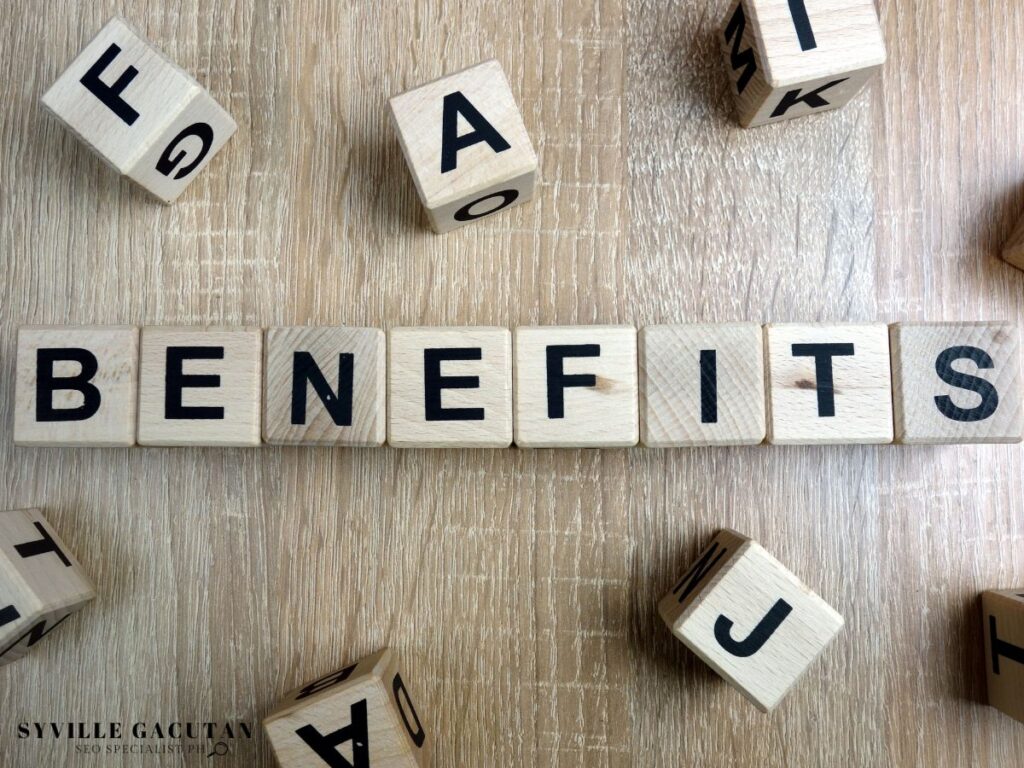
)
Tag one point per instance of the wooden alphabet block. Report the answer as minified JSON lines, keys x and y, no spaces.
{"x":325,"y":386}
{"x":200,"y":386}
{"x":139,"y":112}
{"x":576,"y":387}
{"x":450,"y":387}
{"x":828,"y":384}
{"x":76,"y":386}
{"x":749,"y":618}
{"x":1003,"y":619}
{"x":41,"y":584}
{"x":788,"y":58}
{"x":466,"y":145}
{"x":360,"y":716}
{"x":702,"y":385}
{"x":957,"y":383}
{"x":1013,"y":251}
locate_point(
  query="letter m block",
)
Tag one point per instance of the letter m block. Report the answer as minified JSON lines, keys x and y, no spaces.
{"x":788,"y":58}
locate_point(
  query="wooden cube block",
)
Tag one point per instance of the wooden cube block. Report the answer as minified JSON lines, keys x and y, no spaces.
{"x":957,"y":383}
{"x":576,"y":387}
{"x":1013,"y":251}
{"x":360,"y":716}
{"x":828,"y":384}
{"x":788,"y":58}
{"x":139,"y":112}
{"x":749,"y":618}
{"x":702,"y":385}
{"x":324,"y":386}
{"x":1003,"y":619}
{"x":41,"y":584}
{"x":450,"y":387}
{"x":466,"y":145}
{"x":76,"y":386}
{"x":200,"y":386}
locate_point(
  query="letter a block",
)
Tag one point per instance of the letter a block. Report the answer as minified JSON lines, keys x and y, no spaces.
{"x":76,"y":386}
{"x":466,"y":145}
{"x":325,"y":386}
{"x":957,"y":383}
{"x":200,"y":386}
{"x":41,"y":584}
{"x":828,"y":384}
{"x":139,"y":112}
{"x":788,"y":58}
{"x":360,"y":717}
{"x":576,"y":387}
{"x":450,"y":387}
{"x":1003,"y":617}
{"x":749,"y":618}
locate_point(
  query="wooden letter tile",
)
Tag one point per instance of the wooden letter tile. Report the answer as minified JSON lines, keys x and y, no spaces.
{"x":466,"y":145}
{"x":828,"y":384}
{"x":200,"y":386}
{"x":139,"y":112}
{"x":450,"y":387}
{"x":702,"y":385}
{"x":76,"y":386}
{"x":788,"y":58}
{"x":361,"y":716}
{"x":41,"y":584}
{"x":1003,"y":619}
{"x":576,"y":387}
{"x":324,"y":386}
{"x":957,"y":383}
{"x":749,"y":618}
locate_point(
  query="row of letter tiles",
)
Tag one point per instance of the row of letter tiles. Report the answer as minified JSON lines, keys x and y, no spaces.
{"x":539,"y":387}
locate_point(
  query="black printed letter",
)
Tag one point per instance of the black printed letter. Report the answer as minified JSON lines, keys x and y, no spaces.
{"x":305,"y":369}
{"x":41,"y":546}
{"x":558,"y":381}
{"x":1002,"y":647}
{"x":326,"y":682}
{"x":398,"y":687}
{"x":987,"y":392}
{"x":812,"y":99}
{"x":734,"y":33}
{"x":326,"y":746}
{"x":804,"y":33}
{"x":434,"y":382}
{"x":823,"y":354}
{"x":753,"y":642}
{"x":699,"y":570}
{"x":167,"y":163}
{"x":176,"y":381}
{"x":456,"y":104}
{"x":47,"y":384}
{"x":708,"y":386}
{"x":111,"y":94}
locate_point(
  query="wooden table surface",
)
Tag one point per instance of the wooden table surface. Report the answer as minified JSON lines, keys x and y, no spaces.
{"x":520,"y":586}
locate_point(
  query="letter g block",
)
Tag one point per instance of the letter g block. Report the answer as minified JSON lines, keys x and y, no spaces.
{"x":788,"y":58}
{"x":139,"y":112}
{"x":76,"y":386}
{"x":749,"y":618}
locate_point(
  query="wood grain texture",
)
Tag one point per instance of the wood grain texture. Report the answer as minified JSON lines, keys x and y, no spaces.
{"x":522,"y":586}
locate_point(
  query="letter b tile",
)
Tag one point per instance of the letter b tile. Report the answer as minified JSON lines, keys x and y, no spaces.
{"x":138,"y":111}
{"x":360,"y":717}
{"x":749,"y":618}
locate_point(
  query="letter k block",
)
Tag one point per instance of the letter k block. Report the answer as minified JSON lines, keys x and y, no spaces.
{"x":749,"y":618}
{"x":142,"y":114}
{"x":788,"y":58}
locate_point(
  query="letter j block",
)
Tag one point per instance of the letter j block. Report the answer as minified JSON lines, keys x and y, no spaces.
{"x":359,"y":717}
{"x":749,"y":618}
{"x":466,"y":145}
{"x":788,"y":58}
{"x":138,"y":111}
{"x":76,"y":386}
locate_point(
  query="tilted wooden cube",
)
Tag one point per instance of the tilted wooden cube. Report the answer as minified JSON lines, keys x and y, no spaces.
{"x":360,"y":717}
{"x":1003,"y":625}
{"x":749,"y":618}
{"x":139,"y":112}
{"x":957,"y":383}
{"x":466,"y":145}
{"x":41,"y":584}
{"x":788,"y":58}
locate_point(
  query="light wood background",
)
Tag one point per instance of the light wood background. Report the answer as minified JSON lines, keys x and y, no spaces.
{"x":520,"y":587}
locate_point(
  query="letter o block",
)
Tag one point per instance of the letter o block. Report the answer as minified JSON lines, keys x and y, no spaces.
{"x":749,"y":618}
{"x":788,"y":58}
{"x":76,"y":386}
{"x":957,"y":383}
{"x":359,"y":717}
{"x":466,"y":145}
{"x":139,"y":112}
